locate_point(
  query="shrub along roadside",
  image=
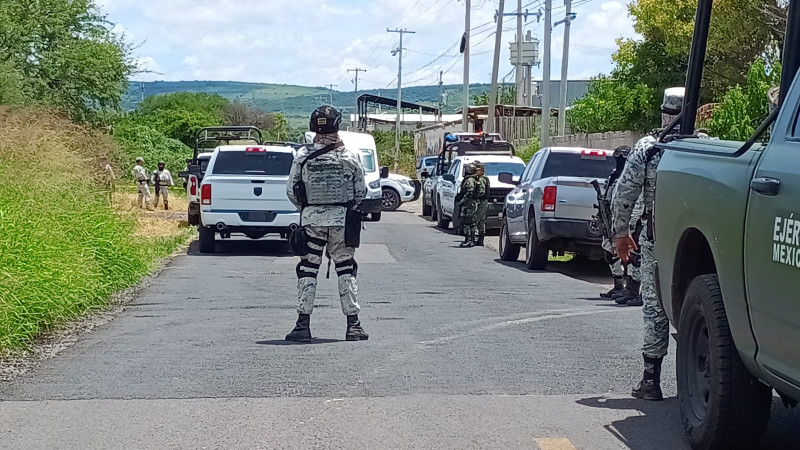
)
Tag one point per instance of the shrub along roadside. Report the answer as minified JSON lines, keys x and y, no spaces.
{"x":64,"y":249}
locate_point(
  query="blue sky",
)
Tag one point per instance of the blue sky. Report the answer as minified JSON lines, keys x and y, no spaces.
{"x":314,"y":42}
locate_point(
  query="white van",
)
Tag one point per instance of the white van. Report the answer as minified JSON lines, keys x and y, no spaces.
{"x":363,"y":144}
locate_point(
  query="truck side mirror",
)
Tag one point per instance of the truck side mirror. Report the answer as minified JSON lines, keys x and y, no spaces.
{"x":673,"y":101}
{"x":195,"y":169}
{"x":425,"y":175}
{"x":507,"y":178}
{"x":384,"y":172}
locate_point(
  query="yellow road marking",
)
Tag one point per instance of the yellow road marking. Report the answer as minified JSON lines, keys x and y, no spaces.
{"x":555,"y":444}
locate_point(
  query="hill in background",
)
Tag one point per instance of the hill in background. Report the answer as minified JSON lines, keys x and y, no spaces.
{"x":296,"y":102}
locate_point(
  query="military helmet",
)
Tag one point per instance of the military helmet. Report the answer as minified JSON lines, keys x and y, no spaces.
{"x":470,"y":169}
{"x":645,"y":143}
{"x":622,"y":151}
{"x":325,"y":120}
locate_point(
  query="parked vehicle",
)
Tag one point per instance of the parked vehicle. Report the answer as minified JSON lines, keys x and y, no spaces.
{"x":552,"y":205}
{"x":425,"y":164}
{"x":191,"y":184}
{"x":244,"y":191}
{"x":727,"y":247}
{"x":397,"y":189}
{"x":363,"y":144}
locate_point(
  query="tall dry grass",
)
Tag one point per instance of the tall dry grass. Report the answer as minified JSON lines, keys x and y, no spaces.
{"x":64,"y":248}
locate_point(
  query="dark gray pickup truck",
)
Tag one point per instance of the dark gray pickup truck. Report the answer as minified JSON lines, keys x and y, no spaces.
{"x":727,"y":233}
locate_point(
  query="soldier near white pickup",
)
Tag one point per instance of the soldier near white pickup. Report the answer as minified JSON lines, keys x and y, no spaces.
{"x":325,"y":183}
{"x":140,"y":176}
{"x":162,"y":180}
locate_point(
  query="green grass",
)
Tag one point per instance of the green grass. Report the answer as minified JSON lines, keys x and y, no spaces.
{"x":64,"y":249}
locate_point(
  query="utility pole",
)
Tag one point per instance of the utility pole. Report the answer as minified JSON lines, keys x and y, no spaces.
{"x":495,"y":68}
{"x":399,"y":52}
{"x":441,"y":94}
{"x":330,"y":90}
{"x":548,"y":31}
{"x":465,"y":45}
{"x":519,"y":75}
{"x":142,"y":86}
{"x":356,"y":70}
{"x":562,"y":100}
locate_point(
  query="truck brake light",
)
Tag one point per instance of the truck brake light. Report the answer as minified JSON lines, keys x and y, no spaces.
{"x":193,"y":186}
{"x":255,"y":150}
{"x":205,"y":194}
{"x":549,"y":198}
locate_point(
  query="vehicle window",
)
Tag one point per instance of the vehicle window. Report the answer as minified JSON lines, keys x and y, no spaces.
{"x":204,"y":164}
{"x":430,"y":162}
{"x":367,"y":157}
{"x":455,"y":168}
{"x":493,"y":168}
{"x":572,"y":165}
{"x":531,"y":170}
{"x":241,"y":163}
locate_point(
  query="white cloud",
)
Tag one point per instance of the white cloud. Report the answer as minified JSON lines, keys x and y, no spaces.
{"x":314,"y":42}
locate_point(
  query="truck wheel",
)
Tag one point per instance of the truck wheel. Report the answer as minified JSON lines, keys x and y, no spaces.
{"x":722,"y":405}
{"x":391,"y":200}
{"x":375,"y":217}
{"x":441,"y":222}
{"x":194,"y":219}
{"x":207,"y":242}
{"x":536,"y":252}
{"x":426,"y":209}
{"x":508,"y":250}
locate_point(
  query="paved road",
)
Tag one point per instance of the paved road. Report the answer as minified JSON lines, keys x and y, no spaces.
{"x":465,"y":352}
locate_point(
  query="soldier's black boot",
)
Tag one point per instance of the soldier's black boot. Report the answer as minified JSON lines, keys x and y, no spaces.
{"x":636,"y":301}
{"x":479,"y":241}
{"x":467,"y":240}
{"x":630,"y":292}
{"x":302,"y":330}
{"x":354,"y":330}
{"x":619,"y":286}
{"x":650,"y":386}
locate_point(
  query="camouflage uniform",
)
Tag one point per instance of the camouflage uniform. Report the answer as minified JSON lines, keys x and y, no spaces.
{"x":162,"y":178}
{"x":481,"y":205}
{"x":639,"y":178}
{"x":469,"y":205}
{"x":140,"y":175}
{"x":332,"y":179}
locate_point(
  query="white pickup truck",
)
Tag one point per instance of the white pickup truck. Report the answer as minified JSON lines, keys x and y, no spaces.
{"x":244,"y":191}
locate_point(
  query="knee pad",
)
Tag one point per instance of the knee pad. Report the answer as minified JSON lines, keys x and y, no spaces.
{"x":348,"y":267}
{"x":307,"y":269}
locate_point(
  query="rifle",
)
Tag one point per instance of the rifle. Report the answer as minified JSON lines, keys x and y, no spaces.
{"x":157,"y":182}
{"x":603,"y":211}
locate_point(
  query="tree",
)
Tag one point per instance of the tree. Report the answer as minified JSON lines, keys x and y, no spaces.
{"x":505,"y":96}
{"x":66,"y":54}
{"x":180,"y":115}
{"x":743,"y":108}
{"x":612,"y":105}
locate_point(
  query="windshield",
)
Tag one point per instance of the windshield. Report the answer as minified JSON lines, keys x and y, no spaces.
{"x":367,"y":159}
{"x":494,"y":169}
{"x":204,"y":164}
{"x":572,"y":165}
{"x":427,"y":162}
{"x":241,"y":163}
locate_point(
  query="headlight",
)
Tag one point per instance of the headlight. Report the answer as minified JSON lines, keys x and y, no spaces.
{"x":405,"y":181}
{"x":375,"y":184}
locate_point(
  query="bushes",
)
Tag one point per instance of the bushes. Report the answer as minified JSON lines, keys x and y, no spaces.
{"x":384,"y":141}
{"x":63,"y":248}
{"x":140,"y":140}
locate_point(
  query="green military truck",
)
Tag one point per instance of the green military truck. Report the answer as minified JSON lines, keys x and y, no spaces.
{"x":727,"y":234}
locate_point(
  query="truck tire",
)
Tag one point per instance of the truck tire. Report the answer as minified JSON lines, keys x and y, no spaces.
{"x":536,"y":252}
{"x":509,"y":251}
{"x":207,"y":242}
{"x":194,"y":219}
{"x":391,"y":199}
{"x":426,"y":209}
{"x":722,"y":405}
{"x":441,"y":222}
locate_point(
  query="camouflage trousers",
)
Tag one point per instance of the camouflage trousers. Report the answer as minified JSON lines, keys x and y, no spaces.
{"x":144,"y":194}
{"x":479,"y":218}
{"x":346,"y":269}
{"x":656,"y":324}
{"x":163,"y":193}
{"x":468,"y":208}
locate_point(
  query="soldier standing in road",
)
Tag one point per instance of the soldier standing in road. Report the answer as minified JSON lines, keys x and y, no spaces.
{"x":482,"y":204}
{"x":140,"y":176}
{"x":467,"y":204}
{"x":639,"y":178}
{"x":333,"y":182}
{"x":162,"y":179}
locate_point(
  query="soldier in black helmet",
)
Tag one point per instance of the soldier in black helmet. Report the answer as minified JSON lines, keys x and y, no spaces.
{"x":325,"y":183}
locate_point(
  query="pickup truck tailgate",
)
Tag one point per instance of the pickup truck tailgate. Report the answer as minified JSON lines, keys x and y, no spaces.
{"x":249,"y":193}
{"x":575,"y":197}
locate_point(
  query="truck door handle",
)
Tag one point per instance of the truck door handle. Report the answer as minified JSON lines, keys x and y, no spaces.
{"x":766,"y":186}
